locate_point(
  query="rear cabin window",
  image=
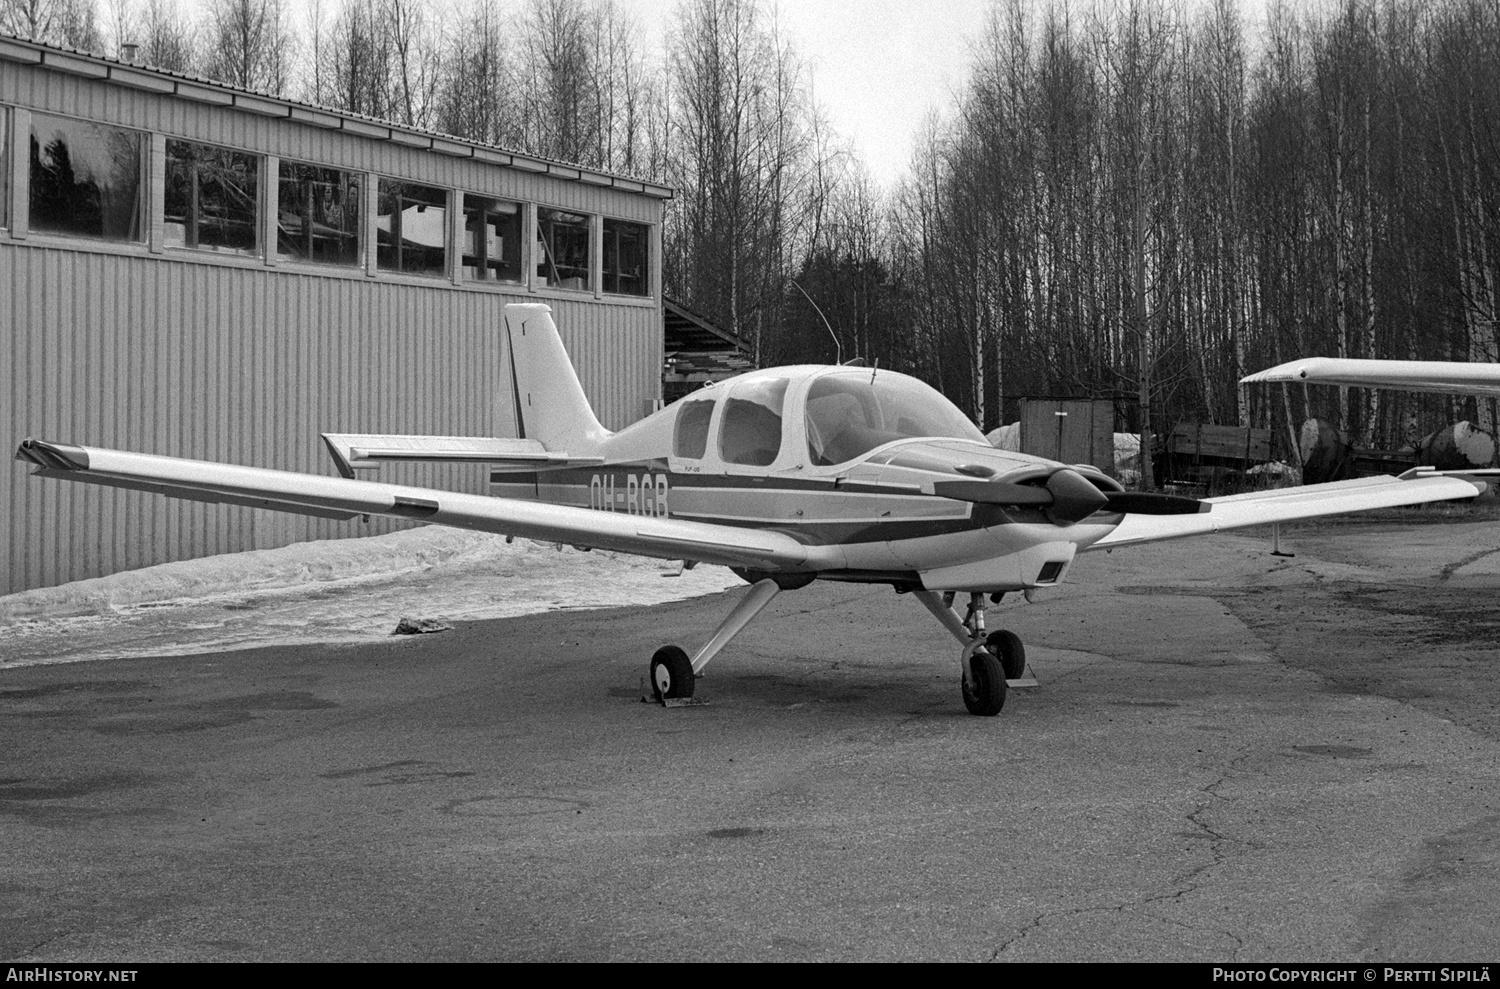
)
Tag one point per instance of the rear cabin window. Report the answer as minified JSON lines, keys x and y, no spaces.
{"x":751,"y":430}
{"x":691,"y":437}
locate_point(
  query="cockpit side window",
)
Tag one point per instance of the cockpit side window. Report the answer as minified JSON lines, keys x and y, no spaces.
{"x":751,"y":431}
{"x":690,"y":439}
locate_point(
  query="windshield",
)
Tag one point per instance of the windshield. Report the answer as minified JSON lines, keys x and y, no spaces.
{"x":849,"y":414}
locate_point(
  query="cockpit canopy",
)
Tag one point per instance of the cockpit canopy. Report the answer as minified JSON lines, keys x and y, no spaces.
{"x":850,"y":413}
{"x":834,"y":418}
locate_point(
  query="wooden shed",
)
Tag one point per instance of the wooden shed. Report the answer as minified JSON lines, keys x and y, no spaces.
{"x":199,"y":271}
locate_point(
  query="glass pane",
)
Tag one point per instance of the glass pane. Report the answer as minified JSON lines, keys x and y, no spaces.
{"x":4,"y":167}
{"x":562,"y":248}
{"x":751,"y":430}
{"x":210,"y":198}
{"x":318,"y":214}
{"x":851,"y":413}
{"x":492,"y":240}
{"x":412,"y":224}
{"x":625,"y":253}
{"x":85,"y":179}
{"x":691,"y":438}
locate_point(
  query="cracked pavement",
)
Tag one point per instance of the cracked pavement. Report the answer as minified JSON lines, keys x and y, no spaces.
{"x":1228,"y":757}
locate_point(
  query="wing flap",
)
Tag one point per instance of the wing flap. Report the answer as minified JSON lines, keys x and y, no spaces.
{"x":353,"y":452}
{"x":337,"y":497}
{"x":1289,"y":504}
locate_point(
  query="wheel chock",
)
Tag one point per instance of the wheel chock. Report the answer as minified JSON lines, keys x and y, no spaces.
{"x":648,"y":696}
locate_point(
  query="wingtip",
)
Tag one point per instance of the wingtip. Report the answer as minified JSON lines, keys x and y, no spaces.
{"x":53,"y":456}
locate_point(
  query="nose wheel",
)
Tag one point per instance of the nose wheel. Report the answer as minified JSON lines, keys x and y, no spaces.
{"x":984,"y":686}
{"x":988,"y":660}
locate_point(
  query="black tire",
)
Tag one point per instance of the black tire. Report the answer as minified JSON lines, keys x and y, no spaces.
{"x":984,"y":688}
{"x":1006,"y":646}
{"x":671,"y":673}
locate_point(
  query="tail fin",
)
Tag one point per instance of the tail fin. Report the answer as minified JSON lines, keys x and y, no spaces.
{"x":549,"y":401}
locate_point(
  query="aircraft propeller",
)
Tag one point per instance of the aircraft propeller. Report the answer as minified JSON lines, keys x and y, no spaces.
{"x":1068,"y":497}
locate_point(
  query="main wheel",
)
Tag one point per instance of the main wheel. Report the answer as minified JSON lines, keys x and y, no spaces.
{"x":984,"y":685}
{"x":1007,"y":646}
{"x":671,"y":673}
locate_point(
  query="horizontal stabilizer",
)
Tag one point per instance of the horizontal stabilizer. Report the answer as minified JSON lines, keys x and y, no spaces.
{"x":367,"y":451}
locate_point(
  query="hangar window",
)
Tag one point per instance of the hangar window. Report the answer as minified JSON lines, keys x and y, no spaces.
{"x":751,"y":429}
{"x":492,"y":240}
{"x":626,"y":250}
{"x":691,"y":437}
{"x":411,"y":223}
{"x":209,"y":202}
{"x":85,"y":179}
{"x":563,"y":248}
{"x":317,"y":217}
{"x":4,"y":167}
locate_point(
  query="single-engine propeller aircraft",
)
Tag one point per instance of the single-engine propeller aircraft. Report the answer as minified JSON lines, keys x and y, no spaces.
{"x":787,"y":476}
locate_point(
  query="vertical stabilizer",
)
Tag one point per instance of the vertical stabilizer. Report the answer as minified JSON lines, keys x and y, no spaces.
{"x":550,"y":404}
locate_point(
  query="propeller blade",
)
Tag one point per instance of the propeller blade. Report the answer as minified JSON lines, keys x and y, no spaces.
{"x":1145,"y":503}
{"x":993,"y":492}
{"x":1068,"y":496}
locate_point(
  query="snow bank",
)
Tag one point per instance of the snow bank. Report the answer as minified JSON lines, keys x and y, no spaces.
{"x":329,"y":591}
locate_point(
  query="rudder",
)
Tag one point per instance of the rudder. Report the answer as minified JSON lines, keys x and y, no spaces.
{"x":550,"y":405}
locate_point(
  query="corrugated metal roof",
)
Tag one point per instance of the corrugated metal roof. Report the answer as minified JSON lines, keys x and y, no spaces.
{"x":201,"y":90}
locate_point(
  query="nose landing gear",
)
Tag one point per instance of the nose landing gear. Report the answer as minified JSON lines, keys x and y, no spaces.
{"x":988,"y":659}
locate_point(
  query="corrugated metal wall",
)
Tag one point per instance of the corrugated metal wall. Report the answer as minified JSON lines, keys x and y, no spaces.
{"x":249,"y":366}
{"x":237,"y":361}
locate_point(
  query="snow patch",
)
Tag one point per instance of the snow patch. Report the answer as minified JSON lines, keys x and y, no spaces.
{"x":347,"y":590}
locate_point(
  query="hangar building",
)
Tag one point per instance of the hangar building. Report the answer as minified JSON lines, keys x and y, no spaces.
{"x":198,"y":271}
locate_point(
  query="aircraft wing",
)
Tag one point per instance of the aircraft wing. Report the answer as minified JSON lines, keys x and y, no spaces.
{"x":1443,"y":377}
{"x":340,"y":498}
{"x":1415,"y":487}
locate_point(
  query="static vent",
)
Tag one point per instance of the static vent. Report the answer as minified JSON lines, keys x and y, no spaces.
{"x":1050,"y":572}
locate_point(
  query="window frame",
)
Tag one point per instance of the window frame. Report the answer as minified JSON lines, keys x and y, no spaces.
{"x":257,"y":224}
{"x":143,"y":181}
{"x":546,"y":249}
{"x":381,"y":182}
{"x":354,"y":189}
{"x":482,"y":263}
{"x":605,"y":273}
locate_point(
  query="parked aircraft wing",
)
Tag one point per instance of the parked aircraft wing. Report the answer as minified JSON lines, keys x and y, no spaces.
{"x":1444,"y":377}
{"x":311,"y":494}
{"x":367,"y":451}
{"x":1415,"y":487}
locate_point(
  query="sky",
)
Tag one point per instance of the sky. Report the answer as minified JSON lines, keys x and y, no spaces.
{"x":878,"y":66}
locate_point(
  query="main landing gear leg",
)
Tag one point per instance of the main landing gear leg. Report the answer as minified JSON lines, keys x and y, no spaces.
{"x":673,"y":674}
{"x":987,"y":660}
